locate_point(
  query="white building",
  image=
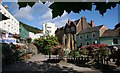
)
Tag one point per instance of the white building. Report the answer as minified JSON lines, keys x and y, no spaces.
{"x":35,"y":36}
{"x":39,"y":35}
{"x":32,"y":35}
{"x":10,"y":25}
{"x":49,"y":29}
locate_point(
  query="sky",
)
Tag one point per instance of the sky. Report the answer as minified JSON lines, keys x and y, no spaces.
{"x":41,"y":13}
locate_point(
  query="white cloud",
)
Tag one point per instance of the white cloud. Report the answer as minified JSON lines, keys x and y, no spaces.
{"x":47,"y":15}
{"x":24,"y":13}
{"x":40,"y":13}
{"x":61,"y":21}
{"x":48,"y":3}
{"x":64,"y":14}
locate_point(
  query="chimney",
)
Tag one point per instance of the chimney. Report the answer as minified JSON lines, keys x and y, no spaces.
{"x":68,"y":20}
{"x":92,"y":23}
{"x":6,"y":7}
{"x":83,"y":22}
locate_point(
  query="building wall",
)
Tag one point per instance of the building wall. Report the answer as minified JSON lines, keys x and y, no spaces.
{"x":109,"y":40}
{"x":49,"y":28}
{"x":32,"y":35}
{"x":38,"y":35}
{"x":82,"y":38}
{"x":10,"y":25}
{"x":102,"y":30}
{"x":23,"y":32}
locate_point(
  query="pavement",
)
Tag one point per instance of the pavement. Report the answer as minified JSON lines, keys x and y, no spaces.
{"x":38,"y":63}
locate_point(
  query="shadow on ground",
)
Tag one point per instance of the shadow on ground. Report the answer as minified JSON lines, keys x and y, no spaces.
{"x":51,"y":66}
{"x":37,"y":66}
{"x":101,"y":67}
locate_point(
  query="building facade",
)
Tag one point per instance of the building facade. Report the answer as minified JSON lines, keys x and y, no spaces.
{"x":111,"y":37}
{"x":49,"y":29}
{"x":32,"y":35}
{"x":10,"y":25}
{"x":23,"y":33}
{"x":39,"y":35}
{"x":90,"y":35}
{"x":70,"y":39}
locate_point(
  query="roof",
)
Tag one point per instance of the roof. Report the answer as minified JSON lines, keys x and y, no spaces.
{"x":91,"y":29}
{"x":111,"y":32}
{"x":76,"y":21}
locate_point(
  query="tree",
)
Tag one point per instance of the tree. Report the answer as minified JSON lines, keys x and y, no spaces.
{"x":117,"y":26}
{"x":45,"y":44}
{"x":59,"y":7}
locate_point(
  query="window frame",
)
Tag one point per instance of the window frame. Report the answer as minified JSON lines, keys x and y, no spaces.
{"x":115,"y":40}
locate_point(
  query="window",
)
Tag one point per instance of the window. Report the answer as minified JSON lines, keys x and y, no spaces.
{"x":48,"y":27}
{"x":4,"y":13}
{"x":81,"y":44}
{"x":94,"y":42}
{"x":48,"y":31}
{"x":93,"y":35}
{"x":115,"y":41}
{"x":87,"y":35}
{"x":87,"y":43}
{"x":80,"y":37}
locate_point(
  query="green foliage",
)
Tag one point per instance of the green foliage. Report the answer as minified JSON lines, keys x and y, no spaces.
{"x":30,"y":28}
{"x":11,"y":52}
{"x":59,"y":7}
{"x":117,"y":26}
{"x":46,"y":43}
{"x":24,"y":4}
{"x":75,"y":53}
{"x":29,"y":40}
{"x":102,"y":7}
